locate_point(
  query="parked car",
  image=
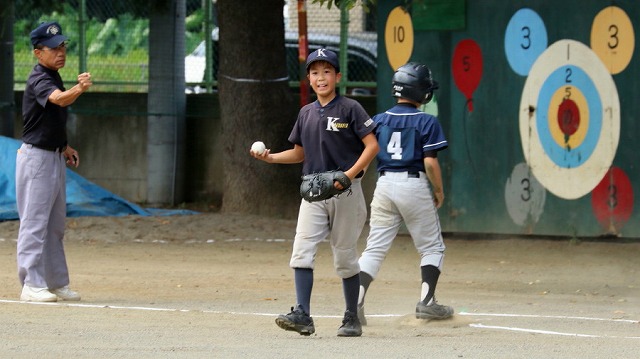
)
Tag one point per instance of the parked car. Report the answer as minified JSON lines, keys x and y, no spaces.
{"x":361,"y":58}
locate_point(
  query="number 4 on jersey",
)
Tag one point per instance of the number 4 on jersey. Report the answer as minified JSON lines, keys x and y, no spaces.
{"x":394,"y":147}
{"x":400,"y":145}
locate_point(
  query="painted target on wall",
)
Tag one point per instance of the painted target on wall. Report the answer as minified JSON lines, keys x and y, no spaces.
{"x":569,"y":119}
{"x":524,"y":40}
{"x":612,"y":200}
{"x":524,"y":196}
{"x":612,"y":38}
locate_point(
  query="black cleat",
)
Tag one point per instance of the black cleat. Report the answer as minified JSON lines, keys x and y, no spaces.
{"x":433,"y":311}
{"x":297,"y":321}
{"x":350,"y":325}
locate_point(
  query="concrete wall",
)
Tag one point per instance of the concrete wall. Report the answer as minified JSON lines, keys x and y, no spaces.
{"x":109,"y":130}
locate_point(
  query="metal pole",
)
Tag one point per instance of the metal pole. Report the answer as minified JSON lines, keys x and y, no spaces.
{"x":82,"y":47}
{"x":208,"y":53}
{"x":303,"y":51}
{"x":344,"y":46}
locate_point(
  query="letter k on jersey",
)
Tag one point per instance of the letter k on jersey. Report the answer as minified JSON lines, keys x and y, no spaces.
{"x":331,"y":123}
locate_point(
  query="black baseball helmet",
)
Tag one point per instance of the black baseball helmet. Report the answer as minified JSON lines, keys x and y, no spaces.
{"x":413,"y":81}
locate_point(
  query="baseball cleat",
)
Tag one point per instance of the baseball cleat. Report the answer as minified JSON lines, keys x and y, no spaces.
{"x":351,"y":326}
{"x":433,"y":311}
{"x":297,"y":321}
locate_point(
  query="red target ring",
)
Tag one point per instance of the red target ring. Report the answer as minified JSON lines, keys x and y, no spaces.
{"x":568,"y":117}
{"x":612,"y":200}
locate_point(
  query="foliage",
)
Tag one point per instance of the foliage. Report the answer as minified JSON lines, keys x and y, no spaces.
{"x":349,"y":4}
{"x":42,"y":6}
{"x":194,"y":21}
{"x":66,"y":16}
{"x":116,"y":69}
{"x":117,"y":47}
{"x":367,"y":5}
{"x":120,"y":36}
{"x":194,"y":25}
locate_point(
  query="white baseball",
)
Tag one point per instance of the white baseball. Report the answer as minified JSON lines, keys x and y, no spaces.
{"x":258,"y":147}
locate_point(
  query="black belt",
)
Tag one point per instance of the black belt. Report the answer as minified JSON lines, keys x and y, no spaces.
{"x":52,"y":149}
{"x":411,"y":174}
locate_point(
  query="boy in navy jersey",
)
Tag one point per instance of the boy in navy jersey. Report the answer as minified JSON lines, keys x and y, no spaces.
{"x":409,"y":187}
{"x":332,"y":133}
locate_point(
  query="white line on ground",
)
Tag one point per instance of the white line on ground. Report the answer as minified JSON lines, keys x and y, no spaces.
{"x":107,"y":306}
{"x":547,"y":317}
{"x":537,"y":331}
{"x":479,"y":325}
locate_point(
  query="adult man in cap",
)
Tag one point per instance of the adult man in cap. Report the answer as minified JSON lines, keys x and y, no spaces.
{"x":40,"y":170}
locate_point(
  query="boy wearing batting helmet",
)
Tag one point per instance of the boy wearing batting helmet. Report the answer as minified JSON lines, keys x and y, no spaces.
{"x":409,"y":187}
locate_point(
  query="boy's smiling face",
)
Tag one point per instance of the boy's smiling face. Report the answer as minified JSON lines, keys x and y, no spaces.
{"x":323,"y":79}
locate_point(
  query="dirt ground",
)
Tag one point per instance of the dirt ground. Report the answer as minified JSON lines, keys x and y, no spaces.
{"x":210,"y":285}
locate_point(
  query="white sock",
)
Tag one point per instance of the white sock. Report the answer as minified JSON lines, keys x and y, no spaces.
{"x":424,"y":292}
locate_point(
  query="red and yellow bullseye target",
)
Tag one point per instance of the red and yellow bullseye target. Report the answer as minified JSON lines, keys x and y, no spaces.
{"x":569,"y":119}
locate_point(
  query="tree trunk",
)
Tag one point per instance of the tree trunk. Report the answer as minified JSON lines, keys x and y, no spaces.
{"x":256,"y":105}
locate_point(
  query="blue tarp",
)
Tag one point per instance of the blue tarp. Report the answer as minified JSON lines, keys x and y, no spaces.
{"x":84,"y":198}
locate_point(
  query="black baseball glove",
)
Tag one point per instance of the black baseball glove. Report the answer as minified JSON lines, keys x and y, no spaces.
{"x":319,"y":186}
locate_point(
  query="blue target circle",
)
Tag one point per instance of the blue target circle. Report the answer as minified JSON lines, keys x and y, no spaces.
{"x":569,"y":76}
{"x":524,"y":40}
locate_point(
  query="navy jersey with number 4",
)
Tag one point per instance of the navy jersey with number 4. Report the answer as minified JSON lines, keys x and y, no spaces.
{"x":405,"y":134}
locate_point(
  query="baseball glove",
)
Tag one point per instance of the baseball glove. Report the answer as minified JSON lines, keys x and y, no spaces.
{"x":319,"y":186}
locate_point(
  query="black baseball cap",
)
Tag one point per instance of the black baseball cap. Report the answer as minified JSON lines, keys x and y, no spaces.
{"x":48,"y":34}
{"x":324,"y":55}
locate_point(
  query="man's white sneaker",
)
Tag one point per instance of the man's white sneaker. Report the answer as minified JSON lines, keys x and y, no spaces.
{"x":33,"y":294}
{"x":65,"y":293}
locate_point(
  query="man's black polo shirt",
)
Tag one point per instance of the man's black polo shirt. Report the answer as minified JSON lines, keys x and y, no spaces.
{"x":44,"y":123}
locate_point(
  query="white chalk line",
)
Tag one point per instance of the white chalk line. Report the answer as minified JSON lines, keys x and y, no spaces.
{"x":479,"y":325}
{"x":547,"y":317}
{"x":153,"y":309}
{"x":548,"y":332}
{"x":538,"y":331}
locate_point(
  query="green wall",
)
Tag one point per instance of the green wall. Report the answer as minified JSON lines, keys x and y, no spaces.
{"x":485,"y":187}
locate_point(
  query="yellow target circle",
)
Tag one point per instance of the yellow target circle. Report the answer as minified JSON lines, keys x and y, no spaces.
{"x":612,"y":38}
{"x":398,"y":37}
{"x":560,"y":126}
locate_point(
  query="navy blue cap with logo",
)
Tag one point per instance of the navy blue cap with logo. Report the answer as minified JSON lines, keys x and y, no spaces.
{"x":324,"y":55}
{"x":48,"y":34}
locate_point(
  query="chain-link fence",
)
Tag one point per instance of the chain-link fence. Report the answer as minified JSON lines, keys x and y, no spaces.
{"x":109,"y":38}
{"x":324,"y":27}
